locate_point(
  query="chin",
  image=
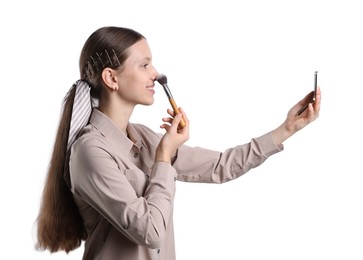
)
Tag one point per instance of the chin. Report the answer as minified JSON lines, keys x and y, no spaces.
{"x":148,"y":102}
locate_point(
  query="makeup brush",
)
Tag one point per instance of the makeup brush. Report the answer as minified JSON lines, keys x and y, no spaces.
{"x":164,"y":82}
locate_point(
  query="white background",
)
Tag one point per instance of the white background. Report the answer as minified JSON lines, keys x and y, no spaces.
{"x":236,"y":67}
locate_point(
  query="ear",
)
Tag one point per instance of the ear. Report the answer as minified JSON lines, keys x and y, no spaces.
{"x":109,"y":77}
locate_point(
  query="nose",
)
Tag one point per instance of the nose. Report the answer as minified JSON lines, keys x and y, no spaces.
{"x":155,"y":74}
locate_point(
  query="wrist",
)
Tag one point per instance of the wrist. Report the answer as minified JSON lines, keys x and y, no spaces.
{"x":281,"y":133}
{"x":162,"y":156}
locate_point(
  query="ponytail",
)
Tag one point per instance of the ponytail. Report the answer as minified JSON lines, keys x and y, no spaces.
{"x":59,"y":223}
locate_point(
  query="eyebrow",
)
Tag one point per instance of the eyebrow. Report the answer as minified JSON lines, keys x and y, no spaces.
{"x":141,"y":60}
{"x":146,"y":59}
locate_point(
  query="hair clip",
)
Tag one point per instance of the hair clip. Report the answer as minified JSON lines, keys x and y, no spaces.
{"x":116,"y":58}
{"x":99,"y":57}
{"x":95,"y":65}
{"x":108,"y":56}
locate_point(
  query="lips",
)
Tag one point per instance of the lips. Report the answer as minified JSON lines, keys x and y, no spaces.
{"x":151,"y":89}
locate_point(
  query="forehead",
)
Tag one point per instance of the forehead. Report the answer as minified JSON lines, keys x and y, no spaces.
{"x":139,"y":51}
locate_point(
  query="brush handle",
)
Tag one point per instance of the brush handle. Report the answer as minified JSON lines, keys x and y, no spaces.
{"x":176,"y":111}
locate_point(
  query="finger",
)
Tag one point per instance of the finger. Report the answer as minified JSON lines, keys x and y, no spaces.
{"x":165,"y":126}
{"x":171,"y":112}
{"x":314,"y":107}
{"x":301,"y":107}
{"x":318,"y":100}
{"x":310,"y":116}
{"x":185,"y":119}
{"x":308,"y":98}
{"x":167,"y":119}
{"x":184,"y":114}
{"x":175,"y":122}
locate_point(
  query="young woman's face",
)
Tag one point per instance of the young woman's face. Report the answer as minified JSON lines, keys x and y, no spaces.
{"x":136,"y":80}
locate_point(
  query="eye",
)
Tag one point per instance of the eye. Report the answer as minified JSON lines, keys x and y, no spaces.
{"x":145,"y":65}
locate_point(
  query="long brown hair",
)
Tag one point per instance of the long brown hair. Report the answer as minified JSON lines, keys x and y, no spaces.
{"x":59,"y":223}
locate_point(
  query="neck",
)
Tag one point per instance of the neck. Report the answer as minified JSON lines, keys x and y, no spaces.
{"x":117,"y":111}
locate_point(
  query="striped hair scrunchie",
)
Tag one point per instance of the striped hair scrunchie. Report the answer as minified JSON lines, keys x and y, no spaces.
{"x":81,"y":112}
{"x":82,"y":108}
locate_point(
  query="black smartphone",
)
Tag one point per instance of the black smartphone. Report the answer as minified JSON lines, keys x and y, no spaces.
{"x":313,"y":95}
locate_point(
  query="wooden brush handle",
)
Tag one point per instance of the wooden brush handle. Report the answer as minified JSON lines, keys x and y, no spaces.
{"x":176,"y":111}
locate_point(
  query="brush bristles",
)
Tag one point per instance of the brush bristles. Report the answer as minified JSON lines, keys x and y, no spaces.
{"x":162,"y":79}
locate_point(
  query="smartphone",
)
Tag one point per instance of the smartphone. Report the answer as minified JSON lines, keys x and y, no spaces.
{"x":313,"y":95}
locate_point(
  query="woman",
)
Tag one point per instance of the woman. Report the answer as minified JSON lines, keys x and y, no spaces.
{"x":112,"y":183}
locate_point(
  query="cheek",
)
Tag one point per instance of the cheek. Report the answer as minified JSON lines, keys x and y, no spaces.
{"x":126,"y":82}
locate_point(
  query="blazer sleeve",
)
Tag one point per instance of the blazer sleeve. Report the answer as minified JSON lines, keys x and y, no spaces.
{"x":100,"y":182}
{"x":195,"y":164}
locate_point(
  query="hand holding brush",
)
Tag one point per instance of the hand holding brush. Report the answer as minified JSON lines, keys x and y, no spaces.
{"x":162,"y":79}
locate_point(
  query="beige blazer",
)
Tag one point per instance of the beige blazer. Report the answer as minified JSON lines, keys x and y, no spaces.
{"x":126,"y":200}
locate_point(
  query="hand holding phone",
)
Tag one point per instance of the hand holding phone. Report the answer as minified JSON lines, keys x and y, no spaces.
{"x":313,"y":96}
